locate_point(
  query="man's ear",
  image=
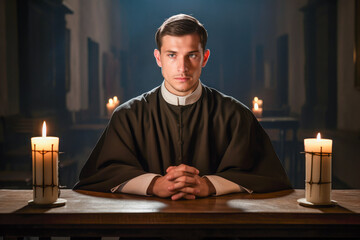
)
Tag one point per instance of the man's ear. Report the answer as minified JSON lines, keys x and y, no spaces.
{"x":206,"y":57}
{"x":157,"y":57}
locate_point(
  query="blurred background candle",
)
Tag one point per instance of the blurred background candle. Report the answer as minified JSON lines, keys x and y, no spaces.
{"x":258,"y":101}
{"x":257,"y":107}
{"x":318,"y":170}
{"x":112,"y":104}
{"x":257,"y":110}
{"x":45,"y":152}
{"x":116,"y":101}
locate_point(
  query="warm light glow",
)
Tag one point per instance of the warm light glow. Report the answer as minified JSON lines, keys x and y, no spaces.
{"x":318,"y":137}
{"x":44,"y":129}
{"x":115,"y":99}
{"x":256,"y":106}
{"x":111,"y":101}
{"x":256,"y":99}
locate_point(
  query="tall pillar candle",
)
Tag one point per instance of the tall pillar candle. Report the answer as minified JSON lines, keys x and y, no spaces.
{"x":318,"y":170}
{"x":45,"y":155}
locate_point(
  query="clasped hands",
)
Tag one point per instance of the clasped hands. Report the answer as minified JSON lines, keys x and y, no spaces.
{"x":181,"y":181}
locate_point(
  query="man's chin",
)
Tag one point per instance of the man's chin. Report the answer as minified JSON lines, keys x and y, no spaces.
{"x":183,"y":88}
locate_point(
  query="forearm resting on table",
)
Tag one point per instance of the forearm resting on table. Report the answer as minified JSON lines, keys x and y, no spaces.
{"x":140,"y":185}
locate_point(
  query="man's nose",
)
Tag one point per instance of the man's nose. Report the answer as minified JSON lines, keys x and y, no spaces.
{"x":183,"y":65}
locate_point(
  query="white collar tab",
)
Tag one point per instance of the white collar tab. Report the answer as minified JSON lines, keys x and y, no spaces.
{"x":181,"y":100}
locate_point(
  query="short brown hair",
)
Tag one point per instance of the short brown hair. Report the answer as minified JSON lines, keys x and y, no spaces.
{"x":180,"y":25}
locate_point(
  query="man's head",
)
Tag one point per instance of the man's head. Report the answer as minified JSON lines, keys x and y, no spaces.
{"x":180,"y":25}
{"x":181,"y":53}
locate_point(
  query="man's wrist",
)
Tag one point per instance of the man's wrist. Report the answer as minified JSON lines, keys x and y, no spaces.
{"x":150,"y":189}
{"x":212,"y":190}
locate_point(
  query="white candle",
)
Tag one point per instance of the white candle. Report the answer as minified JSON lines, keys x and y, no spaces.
{"x":112,"y":104}
{"x":258,"y":101}
{"x":318,"y":170}
{"x":45,"y":152}
{"x":116,"y":100}
{"x":257,"y":110}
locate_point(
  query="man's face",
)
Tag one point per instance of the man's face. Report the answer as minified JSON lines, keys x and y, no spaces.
{"x":181,"y":59}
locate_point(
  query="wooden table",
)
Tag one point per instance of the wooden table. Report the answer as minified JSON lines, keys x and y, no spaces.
{"x":243,"y":215}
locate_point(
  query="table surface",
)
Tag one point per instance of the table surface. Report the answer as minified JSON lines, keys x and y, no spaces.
{"x":128,"y":214}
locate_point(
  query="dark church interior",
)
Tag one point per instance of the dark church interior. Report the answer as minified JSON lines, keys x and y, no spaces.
{"x":61,"y":60}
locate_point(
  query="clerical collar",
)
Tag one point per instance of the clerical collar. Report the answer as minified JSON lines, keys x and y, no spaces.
{"x":181,"y":100}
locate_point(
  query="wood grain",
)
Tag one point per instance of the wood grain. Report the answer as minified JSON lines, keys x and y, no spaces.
{"x":99,"y":214}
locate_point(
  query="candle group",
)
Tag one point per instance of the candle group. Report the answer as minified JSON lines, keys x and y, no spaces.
{"x":112,"y":104}
{"x":257,"y":107}
{"x":318,"y":170}
{"x":45,"y":153}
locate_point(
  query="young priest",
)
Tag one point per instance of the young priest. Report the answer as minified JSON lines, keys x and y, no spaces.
{"x":183,"y":139}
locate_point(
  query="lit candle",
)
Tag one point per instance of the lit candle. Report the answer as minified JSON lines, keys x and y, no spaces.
{"x":112,"y":104}
{"x":45,"y":152}
{"x":116,"y":100}
{"x":257,"y":110}
{"x":318,"y":170}
{"x":258,"y":101}
{"x":257,"y":107}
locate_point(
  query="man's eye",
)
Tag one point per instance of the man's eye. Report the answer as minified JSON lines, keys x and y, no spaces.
{"x":192,"y":56}
{"x":171,"y":55}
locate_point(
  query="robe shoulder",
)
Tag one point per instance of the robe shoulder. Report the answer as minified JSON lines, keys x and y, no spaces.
{"x":114,"y":159}
{"x":250,"y":159}
{"x":228,"y":110}
{"x":142,"y":102}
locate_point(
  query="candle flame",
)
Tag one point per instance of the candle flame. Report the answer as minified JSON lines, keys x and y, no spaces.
{"x":115,"y":99}
{"x":256,"y":99}
{"x":256,"y":106}
{"x":111,"y":101}
{"x":318,"y":137}
{"x":44,"y":129}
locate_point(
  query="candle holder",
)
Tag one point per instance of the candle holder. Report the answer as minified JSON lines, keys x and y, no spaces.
{"x":318,"y":180}
{"x":43,"y":196}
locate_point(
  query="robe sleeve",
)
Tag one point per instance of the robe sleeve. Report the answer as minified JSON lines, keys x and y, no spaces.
{"x":250,"y":159}
{"x":113,"y":160}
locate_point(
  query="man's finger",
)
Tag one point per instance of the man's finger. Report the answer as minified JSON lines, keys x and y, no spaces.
{"x":176,"y":186}
{"x":177,"y":196}
{"x":190,"y":190}
{"x":170,"y":168}
{"x":186,"y":168}
{"x":179,"y":185}
{"x":178,"y":174}
{"x":189,"y":196}
{"x":187,"y":179}
{"x":180,"y":195}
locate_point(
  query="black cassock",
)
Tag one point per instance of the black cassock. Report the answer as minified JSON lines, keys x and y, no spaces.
{"x":218,"y":135}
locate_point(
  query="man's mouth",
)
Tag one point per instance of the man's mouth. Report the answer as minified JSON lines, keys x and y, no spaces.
{"x":182,"y":79}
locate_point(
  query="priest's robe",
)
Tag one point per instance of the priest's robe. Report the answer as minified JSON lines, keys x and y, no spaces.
{"x":218,"y":135}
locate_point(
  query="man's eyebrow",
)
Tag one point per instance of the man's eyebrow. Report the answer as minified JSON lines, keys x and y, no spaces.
{"x":191,"y":52}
